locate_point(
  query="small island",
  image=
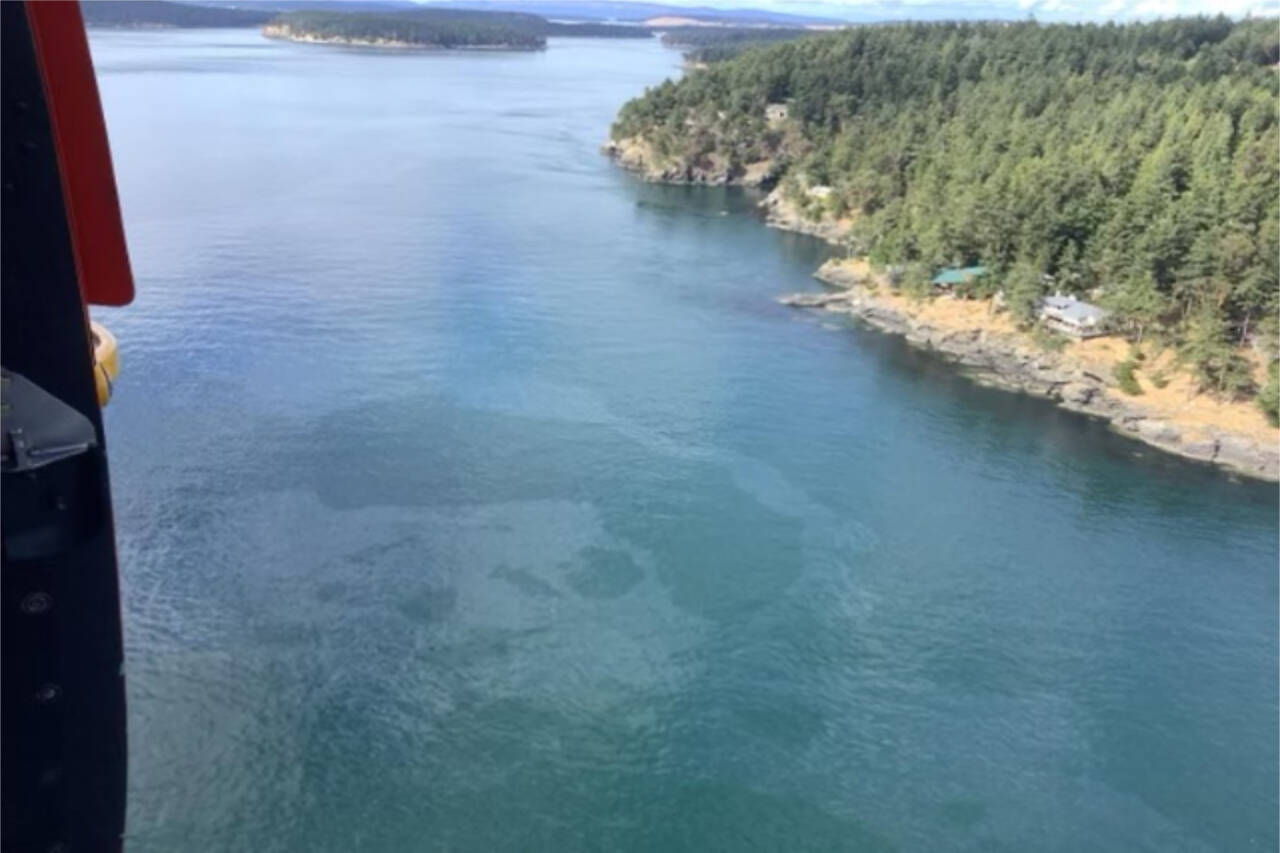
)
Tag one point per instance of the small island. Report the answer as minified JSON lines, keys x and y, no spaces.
{"x":437,"y":28}
{"x":434,"y":28}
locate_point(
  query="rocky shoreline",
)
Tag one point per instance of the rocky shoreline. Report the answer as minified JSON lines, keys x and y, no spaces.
{"x":1003,"y":360}
{"x":993,"y":357}
{"x":637,"y":155}
{"x":781,"y":213}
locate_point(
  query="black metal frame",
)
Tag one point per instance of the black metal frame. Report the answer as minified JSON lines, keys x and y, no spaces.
{"x":62,"y":720}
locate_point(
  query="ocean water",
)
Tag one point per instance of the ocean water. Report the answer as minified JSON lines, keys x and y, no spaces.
{"x":475,"y":496}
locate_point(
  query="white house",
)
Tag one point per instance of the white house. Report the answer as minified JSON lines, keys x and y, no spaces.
{"x":1072,"y":316}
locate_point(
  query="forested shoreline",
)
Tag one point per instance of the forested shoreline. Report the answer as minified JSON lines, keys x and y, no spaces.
{"x":447,"y":28}
{"x":444,"y":28}
{"x":1136,"y":164}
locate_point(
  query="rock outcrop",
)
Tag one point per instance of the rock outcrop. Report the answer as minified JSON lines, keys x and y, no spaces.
{"x":784,"y":214}
{"x":638,"y":155}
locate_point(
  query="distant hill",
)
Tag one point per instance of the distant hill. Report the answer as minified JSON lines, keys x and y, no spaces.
{"x":594,"y":29}
{"x":525,"y":21}
{"x":613,"y":10}
{"x":372,"y":6}
{"x":422,"y":24}
{"x":433,"y":27}
{"x":598,"y":18}
{"x":158,"y":13}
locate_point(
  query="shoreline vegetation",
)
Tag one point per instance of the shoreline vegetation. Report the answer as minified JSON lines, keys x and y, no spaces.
{"x":1133,"y":166}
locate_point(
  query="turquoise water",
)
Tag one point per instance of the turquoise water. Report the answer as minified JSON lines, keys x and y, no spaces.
{"x":473,"y":495}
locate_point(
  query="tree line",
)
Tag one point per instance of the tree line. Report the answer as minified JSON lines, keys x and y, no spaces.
{"x":443,"y":28}
{"x":1138,"y":164}
{"x":716,"y":44}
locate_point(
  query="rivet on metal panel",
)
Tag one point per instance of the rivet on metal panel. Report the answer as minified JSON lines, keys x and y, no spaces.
{"x":37,"y":603}
{"x":47,"y":693}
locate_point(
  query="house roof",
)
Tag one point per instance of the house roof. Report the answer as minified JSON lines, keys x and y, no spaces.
{"x":958,"y":275}
{"x":1072,"y":310}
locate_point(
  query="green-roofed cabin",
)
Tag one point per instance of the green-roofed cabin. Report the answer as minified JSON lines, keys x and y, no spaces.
{"x":949,"y":277}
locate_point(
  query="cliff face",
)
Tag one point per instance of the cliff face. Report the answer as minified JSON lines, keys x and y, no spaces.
{"x":1232,"y":435}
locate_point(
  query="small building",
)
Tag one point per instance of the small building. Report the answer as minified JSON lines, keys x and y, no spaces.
{"x":774,"y":113}
{"x":819,"y":192}
{"x":1072,"y":316}
{"x":949,"y":277}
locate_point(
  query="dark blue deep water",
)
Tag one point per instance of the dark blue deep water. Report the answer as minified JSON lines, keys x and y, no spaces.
{"x":474,"y":496}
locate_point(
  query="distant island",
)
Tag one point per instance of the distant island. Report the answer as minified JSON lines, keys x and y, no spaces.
{"x":1131,"y":167}
{"x":442,"y":29}
{"x":161,"y":14}
{"x":437,"y":28}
